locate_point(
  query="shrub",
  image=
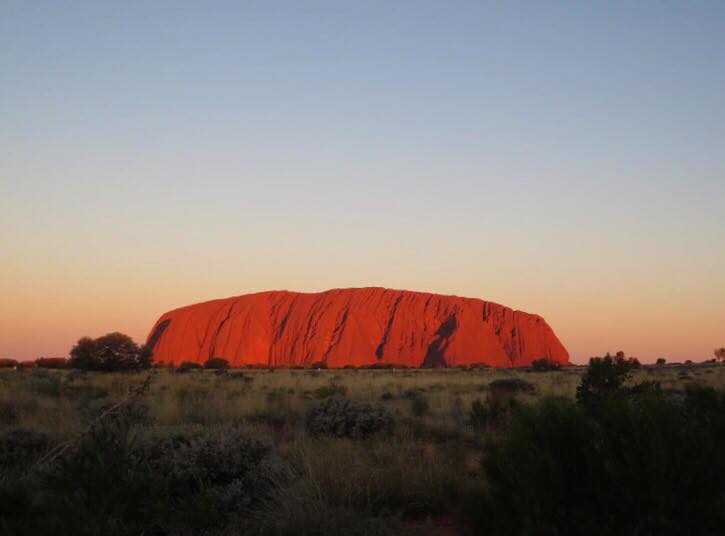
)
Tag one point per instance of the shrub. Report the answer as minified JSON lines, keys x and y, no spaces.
{"x":341,"y":417}
{"x":719,"y":354}
{"x":230,"y":467}
{"x":9,"y":412}
{"x":624,"y":460}
{"x":478,"y":417}
{"x":216,"y":363}
{"x":51,"y":362}
{"x":544,"y":365}
{"x":420,"y":406}
{"x":19,"y":447}
{"x":109,"y":353}
{"x":8,"y":363}
{"x":413,"y":392}
{"x":604,"y":376}
{"x":660,"y":361}
{"x":188,"y":366}
{"x":511,"y":385}
{"x":331,"y":389}
{"x":180,"y":480}
{"x":44,"y":383}
{"x":239,"y":375}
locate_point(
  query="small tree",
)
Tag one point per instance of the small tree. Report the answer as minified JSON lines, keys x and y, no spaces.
{"x":216,"y":363}
{"x":605,"y":376}
{"x":112,"y":352}
{"x":720,"y":354}
{"x":660,"y":361}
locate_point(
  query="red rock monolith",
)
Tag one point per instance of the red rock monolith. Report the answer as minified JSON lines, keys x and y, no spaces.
{"x":356,"y":327}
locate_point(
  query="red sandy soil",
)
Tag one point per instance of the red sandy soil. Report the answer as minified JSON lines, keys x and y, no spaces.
{"x":354,"y":327}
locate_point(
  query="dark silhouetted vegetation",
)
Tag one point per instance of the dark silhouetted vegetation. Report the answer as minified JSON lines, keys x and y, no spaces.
{"x":216,"y":363}
{"x":113,"y":352}
{"x":544,"y":365}
{"x":51,"y":362}
{"x":620,"y":460}
{"x":188,"y":366}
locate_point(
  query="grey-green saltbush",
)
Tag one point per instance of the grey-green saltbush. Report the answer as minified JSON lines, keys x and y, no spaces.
{"x":342,"y":417}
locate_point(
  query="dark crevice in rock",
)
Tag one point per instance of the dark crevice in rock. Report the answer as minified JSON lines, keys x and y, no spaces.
{"x":153,"y":339}
{"x":434,"y":356}
{"x":212,"y":347}
{"x":386,"y":336}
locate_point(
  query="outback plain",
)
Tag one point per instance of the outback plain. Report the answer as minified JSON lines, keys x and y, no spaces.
{"x":362,"y":451}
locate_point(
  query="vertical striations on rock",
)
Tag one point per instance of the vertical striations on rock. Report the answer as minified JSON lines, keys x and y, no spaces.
{"x":358,"y":327}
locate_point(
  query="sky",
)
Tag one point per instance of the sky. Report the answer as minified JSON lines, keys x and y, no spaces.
{"x":562,"y":158}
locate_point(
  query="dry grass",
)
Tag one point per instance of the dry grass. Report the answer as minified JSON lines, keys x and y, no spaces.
{"x":60,"y":402}
{"x":391,"y":484}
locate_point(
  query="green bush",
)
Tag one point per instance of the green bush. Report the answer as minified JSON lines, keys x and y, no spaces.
{"x":231,"y":468}
{"x":604,"y":377}
{"x":341,"y":417}
{"x":183,"y":480}
{"x":638,"y":462}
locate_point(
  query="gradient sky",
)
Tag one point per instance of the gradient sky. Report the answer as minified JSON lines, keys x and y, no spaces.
{"x":563,"y":158}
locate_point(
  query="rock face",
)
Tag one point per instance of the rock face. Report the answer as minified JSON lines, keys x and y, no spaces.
{"x":359,"y":326}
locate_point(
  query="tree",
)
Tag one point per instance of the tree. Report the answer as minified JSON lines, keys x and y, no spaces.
{"x":112,"y":352}
{"x":660,"y":361}
{"x":605,"y":376}
{"x":720,"y":354}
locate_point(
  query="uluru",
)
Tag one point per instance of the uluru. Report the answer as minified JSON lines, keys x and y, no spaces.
{"x":353,"y":327}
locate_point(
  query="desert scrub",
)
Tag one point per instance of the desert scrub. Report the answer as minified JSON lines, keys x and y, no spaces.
{"x":19,"y":448}
{"x":121,"y":480}
{"x":227,"y":464}
{"x":45,"y":382}
{"x":420,"y":407}
{"x":636,"y":461}
{"x":343,"y":486}
{"x":342,"y":417}
{"x":331,"y":389}
{"x":478,"y":417}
